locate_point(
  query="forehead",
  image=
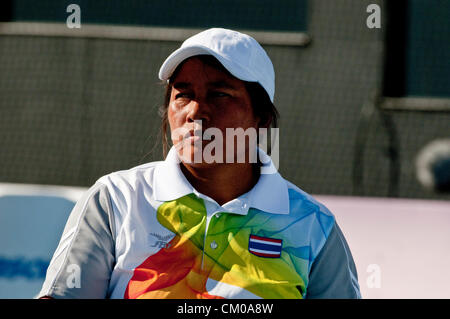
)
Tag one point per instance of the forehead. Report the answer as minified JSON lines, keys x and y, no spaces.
{"x":198,"y":70}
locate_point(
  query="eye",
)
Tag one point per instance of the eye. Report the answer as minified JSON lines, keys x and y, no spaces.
{"x":182,"y":95}
{"x":220,"y":94}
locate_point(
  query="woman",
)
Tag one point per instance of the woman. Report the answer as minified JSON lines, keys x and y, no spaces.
{"x":211,"y":221}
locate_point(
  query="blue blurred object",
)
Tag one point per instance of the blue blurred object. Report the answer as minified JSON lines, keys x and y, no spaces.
{"x":30,"y":228}
{"x":433,"y":165}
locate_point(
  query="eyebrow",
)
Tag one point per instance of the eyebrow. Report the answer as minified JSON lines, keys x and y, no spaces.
{"x":221,"y":85}
{"x":181,"y":85}
{"x":214,"y":85}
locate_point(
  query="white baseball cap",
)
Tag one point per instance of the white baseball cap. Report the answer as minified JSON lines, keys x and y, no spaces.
{"x":239,"y":53}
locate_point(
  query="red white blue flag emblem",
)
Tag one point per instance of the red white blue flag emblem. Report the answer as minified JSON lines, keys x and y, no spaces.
{"x":264,"y":246}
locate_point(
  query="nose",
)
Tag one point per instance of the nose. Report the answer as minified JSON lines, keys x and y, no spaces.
{"x":198,"y":109}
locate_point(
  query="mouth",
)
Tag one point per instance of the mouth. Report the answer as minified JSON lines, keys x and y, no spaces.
{"x":191,"y":138}
{"x":192,"y":134}
{"x":198,"y":134}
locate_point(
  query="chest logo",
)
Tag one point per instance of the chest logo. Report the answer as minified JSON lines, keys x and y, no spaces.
{"x":162,"y":241}
{"x":265,"y":247}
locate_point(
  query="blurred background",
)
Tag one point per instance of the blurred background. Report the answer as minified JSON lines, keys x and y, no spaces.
{"x":364,"y":126}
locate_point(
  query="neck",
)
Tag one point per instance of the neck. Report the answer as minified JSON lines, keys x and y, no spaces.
{"x":222,"y":182}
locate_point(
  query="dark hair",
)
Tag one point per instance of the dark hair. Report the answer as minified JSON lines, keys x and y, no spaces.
{"x":263,"y":108}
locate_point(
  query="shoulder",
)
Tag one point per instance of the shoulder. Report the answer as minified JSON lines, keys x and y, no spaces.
{"x":133,"y":177}
{"x":300,"y":202}
{"x":130,"y":189}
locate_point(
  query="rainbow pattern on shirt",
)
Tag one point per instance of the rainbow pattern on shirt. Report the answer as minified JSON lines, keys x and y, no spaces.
{"x":188,"y":268}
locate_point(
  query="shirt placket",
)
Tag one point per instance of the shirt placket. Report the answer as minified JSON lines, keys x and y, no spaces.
{"x":211,"y":244}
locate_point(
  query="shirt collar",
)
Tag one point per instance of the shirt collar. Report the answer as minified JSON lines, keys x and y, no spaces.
{"x":270,"y":194}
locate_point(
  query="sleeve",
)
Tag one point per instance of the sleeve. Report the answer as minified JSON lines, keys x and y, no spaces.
{"x":333,"y":273}
{"x":83,"y":261}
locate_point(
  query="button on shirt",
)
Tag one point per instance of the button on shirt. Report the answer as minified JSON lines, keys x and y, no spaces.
{"x":147,"y":233}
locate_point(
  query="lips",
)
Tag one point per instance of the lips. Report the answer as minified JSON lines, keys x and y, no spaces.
{"x":195,"y":135}
{"x":192,"y":138}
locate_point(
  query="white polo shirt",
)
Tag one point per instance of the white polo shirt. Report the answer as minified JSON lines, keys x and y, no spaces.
{"x":147,"y":233}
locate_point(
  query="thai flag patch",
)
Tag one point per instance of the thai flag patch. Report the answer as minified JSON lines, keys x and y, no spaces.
{"x":264,"y":246}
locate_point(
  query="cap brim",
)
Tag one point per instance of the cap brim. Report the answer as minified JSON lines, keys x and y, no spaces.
{"x":181,"y":54}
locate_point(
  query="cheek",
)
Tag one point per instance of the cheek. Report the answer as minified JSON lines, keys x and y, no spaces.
{"x":175,"y":115}
{"x":239,"y":117}
{"x":175,"y":106}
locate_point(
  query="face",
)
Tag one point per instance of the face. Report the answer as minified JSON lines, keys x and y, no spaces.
{"x":203,"y":94}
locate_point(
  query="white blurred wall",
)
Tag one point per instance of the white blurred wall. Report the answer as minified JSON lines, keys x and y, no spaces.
{"x":404,"y":241}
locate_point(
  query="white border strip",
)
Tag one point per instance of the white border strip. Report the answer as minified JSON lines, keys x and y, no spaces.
{"x":71,"y":193}
{"x":267,"y":252}
{"x":265,"y":242}
{"x":425,"y":104}
{"x":139,"y":33}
